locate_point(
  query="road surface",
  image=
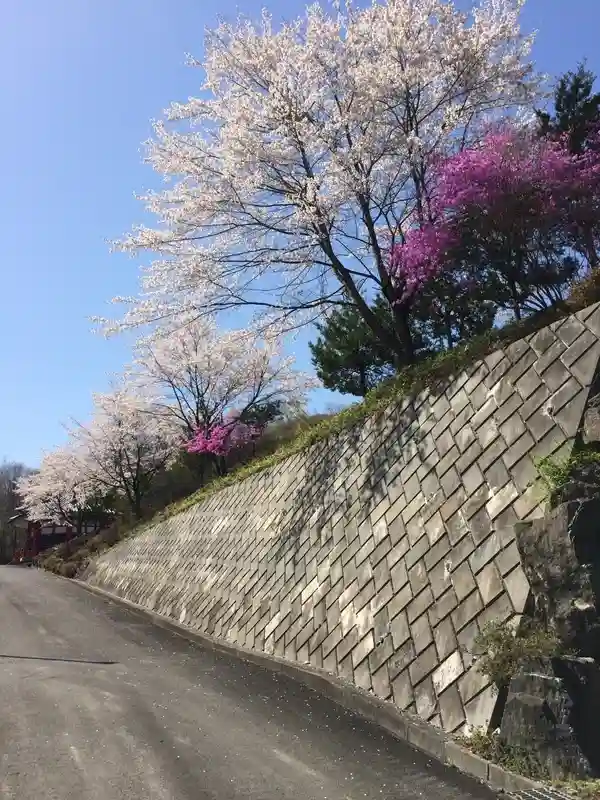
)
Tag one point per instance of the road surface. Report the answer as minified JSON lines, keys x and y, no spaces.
{"x":96,"y":703}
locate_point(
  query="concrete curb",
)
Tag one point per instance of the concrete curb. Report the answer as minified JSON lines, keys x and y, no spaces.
{"x":405,"y":727}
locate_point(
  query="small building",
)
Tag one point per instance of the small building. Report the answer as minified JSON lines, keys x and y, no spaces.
{"x":31,"y":538}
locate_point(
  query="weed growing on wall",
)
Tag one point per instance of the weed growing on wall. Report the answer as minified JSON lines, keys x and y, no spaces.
{"x":503,"y":650}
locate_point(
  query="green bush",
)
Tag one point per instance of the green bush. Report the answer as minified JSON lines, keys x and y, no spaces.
{"x":556,"y":473}
{"x":502,"y":650}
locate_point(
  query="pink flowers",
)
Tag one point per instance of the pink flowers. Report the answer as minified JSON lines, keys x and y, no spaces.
{"x":515,"y":195}
{"x":221,"y":439}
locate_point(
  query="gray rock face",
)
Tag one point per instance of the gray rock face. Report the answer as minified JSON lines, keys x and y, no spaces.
{"x":553,"y":706}
{"x":541,"y":717}
{"x":591,"y":421}
{"x":559,"y":576}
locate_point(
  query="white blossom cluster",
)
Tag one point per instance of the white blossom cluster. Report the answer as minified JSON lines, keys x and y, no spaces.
{"x":306,"y":152}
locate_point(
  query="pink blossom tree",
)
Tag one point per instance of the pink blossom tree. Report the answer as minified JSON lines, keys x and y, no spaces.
{"x":517,"y":212}
{"x":220,"y":439}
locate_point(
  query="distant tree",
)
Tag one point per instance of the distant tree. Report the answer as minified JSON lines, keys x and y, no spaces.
{"x":195,"y":375}
{"x":10,"y":501}
{"x":576,"y":111}
{"x":347,"y":355}
{"x":60,"y":491}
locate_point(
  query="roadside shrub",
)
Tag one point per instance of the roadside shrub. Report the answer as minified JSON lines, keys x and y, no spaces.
{"x":502,"y":650}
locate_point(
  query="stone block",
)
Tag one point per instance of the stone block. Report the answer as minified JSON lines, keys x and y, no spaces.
{"x":346,"y":644}
{"x":420,"y":604}
{"x":489,"y":583}
{"x":399,"y":576}
{"x":417,"y":576}
{"x":421,"y":633}
{"x":501,"y":499}
{"x":466,"y":639}
{"x":402,"y":690}
{"x":443,"y":606}
{"x":447,"y":461}
{"x":439,"y":550}
{"x":472,"y":479}
{"x":488,"y":433}
{"x":425,"y":699}
{"x":469,"y":608}
{"x":569,"y":417}
{"x":498,"y":611}
{"x":380,"y":682}
{"x":463,"y":580}
{"x":445,"y":638}
{"x":475,"y":501}
{"x":361,"y":676}
{"x":457,"y":528}
{"x":471,"y":683}
{"x":451,"y":709}
{"x":556,"y":375}
{"x":469,"y":454}
{"x":485,"y":552}
{"x":480,"y":708}
{"x":332,"y":640}
{"x":423,"y":665}
{"x":417,"y":551}
{"x":439,"y":579}
{"x":578,"y":347}
{"x":398,"y":551}
{"x":402,"y":658}
{"x":381,"y":653}
{"x":518,"y":588}
{"x":448,"y":672}
{"x":508,"y":559}
{"x":569,"y":330}
{"x":496,"y":476}
{"x":400,"y":601}
{"x":399,"y":629}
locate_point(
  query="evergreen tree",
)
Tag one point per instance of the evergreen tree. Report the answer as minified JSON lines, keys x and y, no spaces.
{"x":576,"y":109}
{"x":453,"y":308}
{"x":347,"y":356}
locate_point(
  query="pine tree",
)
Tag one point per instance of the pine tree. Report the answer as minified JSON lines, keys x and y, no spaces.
{"x":347,"y":356}
{"x":576,"y":108}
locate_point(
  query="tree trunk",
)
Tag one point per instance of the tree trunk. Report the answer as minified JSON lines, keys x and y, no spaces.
{"x":405,"y":354}
{"x":137,"y":507}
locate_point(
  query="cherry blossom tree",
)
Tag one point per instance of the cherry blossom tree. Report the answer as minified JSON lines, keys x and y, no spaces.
{"x":60,"y":490}
{"x":518,"y":213}
{"x":307,"y":151}
{"x":124,"y":447}
{"x":197,"y":376}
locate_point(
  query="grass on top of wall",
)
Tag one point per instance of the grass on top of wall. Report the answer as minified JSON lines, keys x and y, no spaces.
{"x":424,"y":375}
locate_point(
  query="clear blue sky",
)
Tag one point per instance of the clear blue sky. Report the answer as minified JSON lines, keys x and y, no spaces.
{"x":80,"y":81}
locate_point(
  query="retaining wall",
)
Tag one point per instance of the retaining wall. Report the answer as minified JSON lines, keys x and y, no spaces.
{"x":379,"y":554}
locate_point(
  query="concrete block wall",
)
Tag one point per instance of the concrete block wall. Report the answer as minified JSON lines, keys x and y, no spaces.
{"x":379,"y":554}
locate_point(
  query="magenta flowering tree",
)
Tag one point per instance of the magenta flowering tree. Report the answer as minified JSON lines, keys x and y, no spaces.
{"x":221,"y":439}
{"x":518,"y":213}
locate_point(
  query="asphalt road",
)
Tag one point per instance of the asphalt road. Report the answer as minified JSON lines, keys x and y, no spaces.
{"x":96,"y":703}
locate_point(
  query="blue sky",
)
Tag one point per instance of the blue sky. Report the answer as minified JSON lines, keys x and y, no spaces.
{"x":79,"y":84}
